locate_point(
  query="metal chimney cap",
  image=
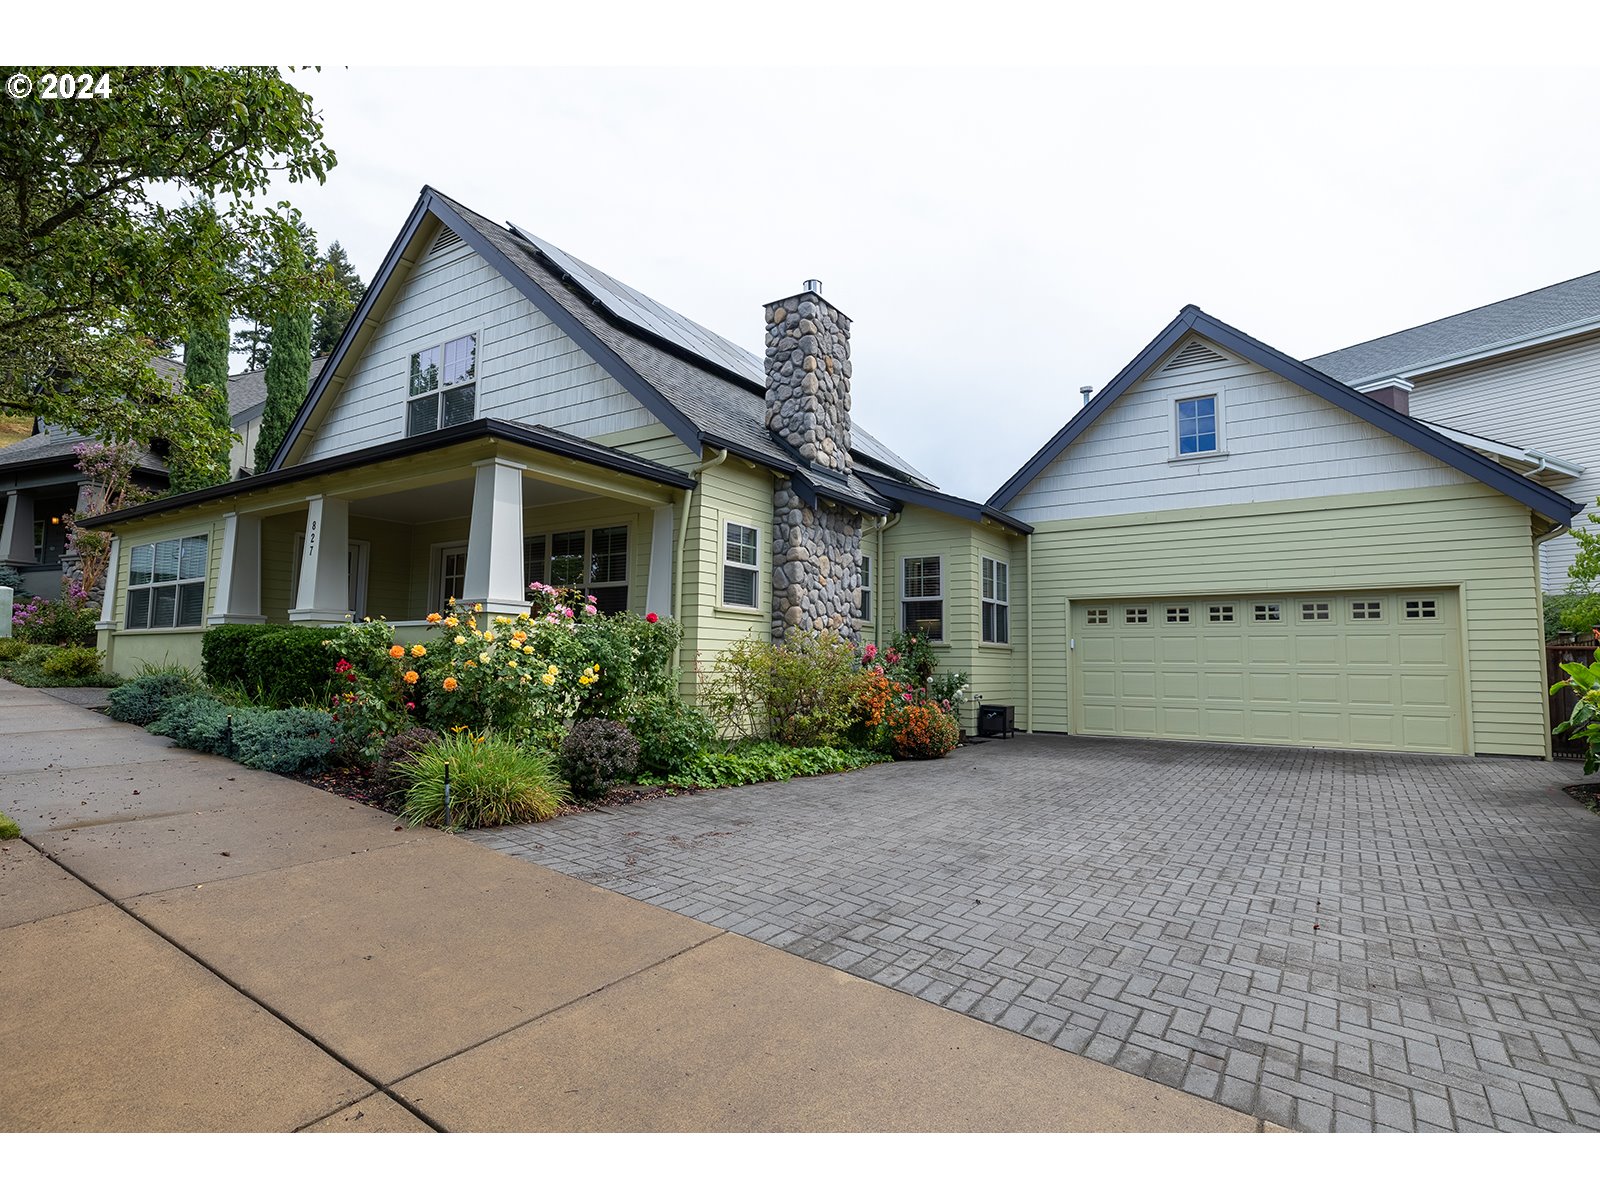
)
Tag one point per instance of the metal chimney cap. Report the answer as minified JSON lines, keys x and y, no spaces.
{"x":813,"y":285}
{"x":1086,"y":391}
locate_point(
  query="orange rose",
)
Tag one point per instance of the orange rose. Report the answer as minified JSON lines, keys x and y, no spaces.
{"x":450,"y":683}
{"x":397,"y":651}
{"x":411,"y":677}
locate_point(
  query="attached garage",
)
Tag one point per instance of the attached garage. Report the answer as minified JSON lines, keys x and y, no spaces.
{"x":1366,"y":670}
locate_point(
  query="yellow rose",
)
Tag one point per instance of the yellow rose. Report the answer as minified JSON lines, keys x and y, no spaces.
{"x":419,"y":651}
{"x":527,"y":649}
{"x":484,"y":657}
{"x":461,"y":639}
{"x":451,"y":622}
{"x":547,"y":679}
{"x":489,"y":636}
{"x":434,"y":618}
{"x":477,"y":608}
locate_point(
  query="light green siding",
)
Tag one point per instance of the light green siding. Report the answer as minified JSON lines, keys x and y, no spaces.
{"x":1467,"y":537}
{"x":127,"y":650}
{"x":994,"y":672}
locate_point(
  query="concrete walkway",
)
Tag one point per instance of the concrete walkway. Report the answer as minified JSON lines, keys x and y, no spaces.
{"x":189,"y":945}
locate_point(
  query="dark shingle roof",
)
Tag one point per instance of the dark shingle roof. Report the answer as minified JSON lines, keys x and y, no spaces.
{"x":1521,"y":317}
{"x":247,"y":392}
{"x":727,"y":411}
{"x":52,"y":443}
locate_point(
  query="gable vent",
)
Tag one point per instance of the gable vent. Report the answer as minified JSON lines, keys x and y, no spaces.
{"x":447,"y":240}
{"x":1195,"y":354}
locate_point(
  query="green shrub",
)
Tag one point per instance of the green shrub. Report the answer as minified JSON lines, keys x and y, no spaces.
{"x":276,"y":665}
{"x":8,"y":828}
{"x":596,"y":754}
{"x":143,"y":698}
{"x":402,"y":747}
{"x":66,"y":622}
{"x":12,"y":578}
{"x":1584,"y":723}
{"x":493,"y":781}
{"x":923,"y":730}
{"x":289,"y":741}
{"x":11,"y":649}
{"x":762,"y":762}
{"x":1571,"y":612}
{"x":72,"y":662}
{"x":669,"y":732}
{"x":197,"y":722}
{"x":800,"y":692}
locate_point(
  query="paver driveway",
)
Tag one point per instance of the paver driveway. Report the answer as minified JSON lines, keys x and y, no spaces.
{"x":1325,"y":940}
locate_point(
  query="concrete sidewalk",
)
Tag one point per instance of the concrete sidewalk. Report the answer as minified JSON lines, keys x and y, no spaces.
{"x":189,"y":945}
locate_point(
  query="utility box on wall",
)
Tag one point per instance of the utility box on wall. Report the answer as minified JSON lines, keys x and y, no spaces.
{"x":997,"y":720}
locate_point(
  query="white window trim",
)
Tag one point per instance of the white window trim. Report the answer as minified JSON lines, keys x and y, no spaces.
{"x":868,"y":617}
{"x":722,"y":582}
{"x":203,"y":579}
{"x":438,"y":393}
{"x":588,"y":584}
{"x":363,"y":551}
{"x":1176,"y":398}
{"x":436,"y":553}
{"x":985,"y":601}
{"x":944,"y":633}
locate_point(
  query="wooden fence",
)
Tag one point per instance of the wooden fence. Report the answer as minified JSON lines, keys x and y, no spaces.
{"x":1562,"y":702}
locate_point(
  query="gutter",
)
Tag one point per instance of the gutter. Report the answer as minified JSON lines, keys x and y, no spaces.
{"x":694,"y":474}
{"x":883,"y":523}
{"x":1028,"y":626}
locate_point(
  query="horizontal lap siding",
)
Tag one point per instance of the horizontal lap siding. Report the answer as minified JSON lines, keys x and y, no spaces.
{"x":730,"y":491}
{"x":528,"y":370}
{"x":1467,"y":535}
{"x":1543,"y":399}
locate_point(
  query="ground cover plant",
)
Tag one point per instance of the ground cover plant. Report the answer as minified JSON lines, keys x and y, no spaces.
{"x":493,"y":779}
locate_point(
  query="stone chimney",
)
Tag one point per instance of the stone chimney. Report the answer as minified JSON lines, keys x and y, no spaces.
{"x":808,"y":377}
{"x":1396,"y":393}
{"x":816,"y":547}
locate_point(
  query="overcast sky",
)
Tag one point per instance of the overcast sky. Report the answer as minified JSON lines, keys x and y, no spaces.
{"x":1000,"y":236}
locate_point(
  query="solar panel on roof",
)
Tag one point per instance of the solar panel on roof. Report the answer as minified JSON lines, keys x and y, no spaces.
{"x":635,"y":307}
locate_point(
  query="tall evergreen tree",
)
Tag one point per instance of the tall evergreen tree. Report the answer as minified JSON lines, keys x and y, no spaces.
{"x":205,"y":376}
{"x":289,"y":366}
{"x":334,"y":313}
{"x":253,"y":342}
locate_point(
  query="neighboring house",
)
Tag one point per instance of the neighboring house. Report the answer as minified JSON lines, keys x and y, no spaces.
{"x":41,"y":484}
{"x":1231,"y":546}
{"x":1518,"y":380}
{"x":247,"y":400}
{"x":498,"y":412}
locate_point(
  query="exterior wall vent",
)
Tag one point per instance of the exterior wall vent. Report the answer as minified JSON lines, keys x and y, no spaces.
{"x":446,"y":241}
{"x":1195,"y":354}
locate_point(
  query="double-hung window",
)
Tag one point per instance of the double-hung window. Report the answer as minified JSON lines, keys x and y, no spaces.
{"x":1197,"y":426}
{"x":443,"y":386}
{"x":996,"y":601}
{"x":167,"y":584}
{"x":741,"y":565}
{"x":868,"y":617}
{"x":922,"y":597}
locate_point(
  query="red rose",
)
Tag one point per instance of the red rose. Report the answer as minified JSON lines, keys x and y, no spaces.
{"x":651,"y":617}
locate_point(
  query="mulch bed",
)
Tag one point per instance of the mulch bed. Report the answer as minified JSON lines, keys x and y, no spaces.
{"x":360,"y":785}
{"x":1586,"y":794}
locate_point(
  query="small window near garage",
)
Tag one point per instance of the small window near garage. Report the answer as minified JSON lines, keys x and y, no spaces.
{"x":443,"y":386}
{"x":1220,"y":613}
{"x":1197,"y":426}
{"x":1315,"y":610}
{"x":996,"y":601}
{"x":1178,"y":615}
{"x":922,"y":597}
{"x":867,"y":615}
{"x":1136,"y":616}
{"x":741,"y":565}
{"x":1366,"y":610}
{"x":1422,"y":610}
{"x":1097,"y":616}
{"x":1268,"y":612}
{"x":167,"y":584}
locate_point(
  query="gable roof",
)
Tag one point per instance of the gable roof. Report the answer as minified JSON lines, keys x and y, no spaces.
{"x":1541,"y":500}
{"x":702,"y":387}
{"x":1540,"y":315}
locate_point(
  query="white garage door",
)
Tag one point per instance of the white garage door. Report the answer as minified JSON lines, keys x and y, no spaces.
{"x":1374,"y":670}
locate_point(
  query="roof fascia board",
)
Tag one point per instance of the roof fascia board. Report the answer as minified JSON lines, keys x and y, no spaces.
{"x":391,"y":263}
{"x":954,"y":506}
{"x":654,"y":402}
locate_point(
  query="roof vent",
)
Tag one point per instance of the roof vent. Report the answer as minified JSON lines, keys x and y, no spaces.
{"x":1195,"y":354}
{"x":448,"y":239}
{"x":813,"y":285}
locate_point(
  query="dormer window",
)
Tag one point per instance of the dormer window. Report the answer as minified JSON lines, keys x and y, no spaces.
{"x":1197,"y":426}
{"x":443,"y":386}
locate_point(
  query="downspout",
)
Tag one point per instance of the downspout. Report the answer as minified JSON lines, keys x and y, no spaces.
{"x":693,"y":472}
{"x":884,"y":522}
{"x":1544,"y":658}
{"x":1027,"y":663}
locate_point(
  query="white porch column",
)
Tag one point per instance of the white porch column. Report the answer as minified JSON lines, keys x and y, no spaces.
{"x":108,"y":606}
{"x":238,"y":598}
{"x":658,"y":592}
{"x":16,"y":536}
{"x":494,"y":545}
{"x":324,"y":594}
